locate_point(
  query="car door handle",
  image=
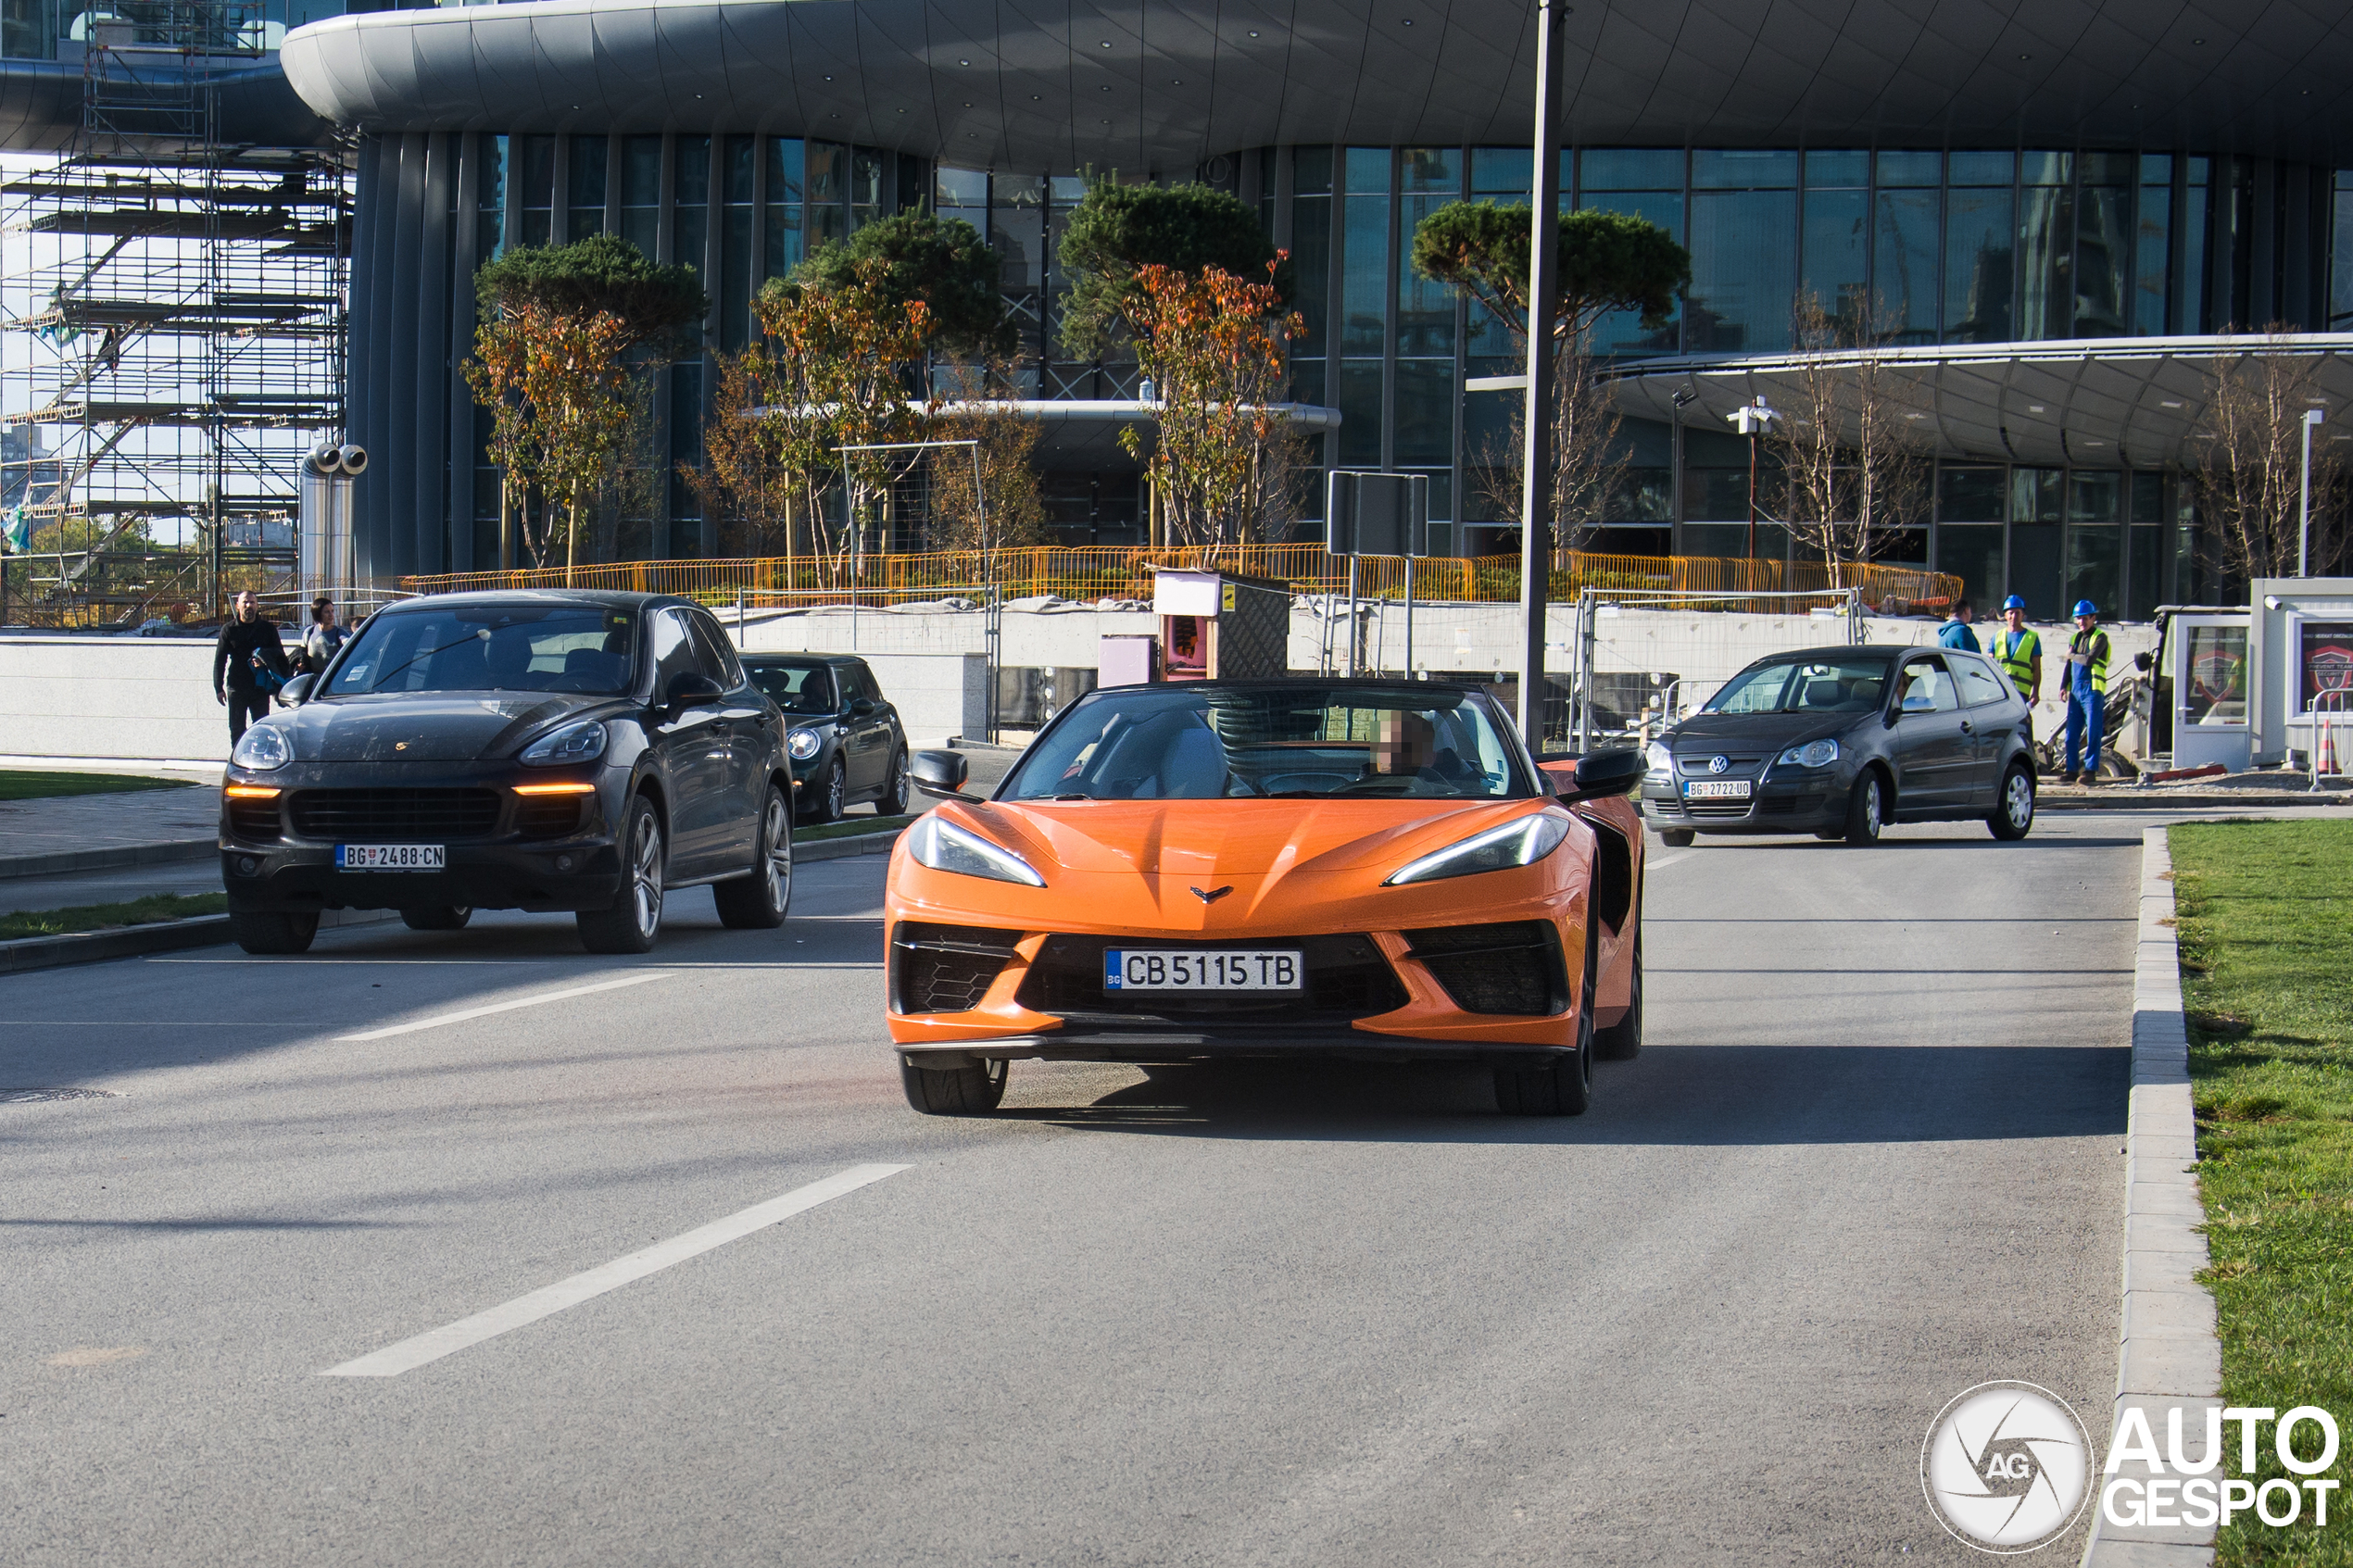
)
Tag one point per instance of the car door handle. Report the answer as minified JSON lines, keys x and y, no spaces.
{"x":1967,"y":728}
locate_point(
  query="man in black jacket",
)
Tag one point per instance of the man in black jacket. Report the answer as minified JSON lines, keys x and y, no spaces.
{"x":248,"y":644}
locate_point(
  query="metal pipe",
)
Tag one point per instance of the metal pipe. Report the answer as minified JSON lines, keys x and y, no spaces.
{"x":1543,"y":292}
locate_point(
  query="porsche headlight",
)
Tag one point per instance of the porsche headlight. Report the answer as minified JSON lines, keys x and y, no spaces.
{"x":1813,"y":754}
{"x":583,"y":741}
{"x":803,"y":745}
{"x":1522,"y":842}
{"x":261,"y":748}
{"x":1661,"y":761}
{"x":944,"y":847}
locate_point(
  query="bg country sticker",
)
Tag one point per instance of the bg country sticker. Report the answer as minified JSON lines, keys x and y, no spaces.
{"x":2008,"y":1468}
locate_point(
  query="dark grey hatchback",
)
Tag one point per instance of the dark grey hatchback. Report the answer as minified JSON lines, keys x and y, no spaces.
{"x":845,"y":738}
{"x":567,"y":751}
{"x":1840,"y":742}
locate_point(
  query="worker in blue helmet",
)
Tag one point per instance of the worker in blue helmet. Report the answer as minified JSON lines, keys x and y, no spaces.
{"x":2018,"y":651}
{"x":2086,"y":694}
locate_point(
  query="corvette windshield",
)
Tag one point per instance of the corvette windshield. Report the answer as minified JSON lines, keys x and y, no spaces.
{"x":522,"y":648}
{"x":1811,"y":685}
{"x":1296,"y":742}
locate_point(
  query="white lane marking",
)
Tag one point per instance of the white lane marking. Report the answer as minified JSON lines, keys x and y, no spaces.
{"x":1649,"y":865}
{"x":433,"y":1344}
{"x":537,"y":997}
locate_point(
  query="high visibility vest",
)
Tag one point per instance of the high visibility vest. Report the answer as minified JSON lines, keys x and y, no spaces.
{"x":2093,"y":642}
{"x":2021,"y":654}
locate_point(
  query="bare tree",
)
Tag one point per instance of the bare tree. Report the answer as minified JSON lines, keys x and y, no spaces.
{"x":2245,"y":455}
{"x":1852,"y":461}
{"x":1590,"y":463}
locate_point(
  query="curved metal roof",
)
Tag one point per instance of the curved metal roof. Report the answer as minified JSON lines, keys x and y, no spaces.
{"x":41,"y":102}
{"x":1163,"y":84}
{"x":2094,"y":402}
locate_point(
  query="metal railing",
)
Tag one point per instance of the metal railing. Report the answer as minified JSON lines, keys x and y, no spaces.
{"x":1112,"y":572}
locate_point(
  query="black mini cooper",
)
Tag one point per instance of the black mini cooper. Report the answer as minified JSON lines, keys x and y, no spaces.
{"x":1840,"y":742}
{"x":581,"y":752}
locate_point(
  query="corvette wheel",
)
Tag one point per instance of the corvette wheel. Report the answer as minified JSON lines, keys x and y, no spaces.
{"x":1563,"y":1086}
{"x":953,"y":1091}
{"x":1622,"y":1041}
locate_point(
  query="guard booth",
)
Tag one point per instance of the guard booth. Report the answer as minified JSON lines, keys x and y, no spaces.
{"x":2202,"y":689}
{"x":2299,"y":658}
{"x":1221,"y":626}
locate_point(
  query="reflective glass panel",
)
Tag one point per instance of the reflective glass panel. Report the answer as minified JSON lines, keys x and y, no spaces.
{"x":1368,"y":171}
{"x":1430,"y":169}
{"x":1630,"y":169}
{"x":1911,"y":168}
{"x":2147,"y":567}
{"x":1622,"y":331}
{"x":1360,"y":412}
{"x":1972,"y":552}
{"x":1311,"y":171}
{"x":2150,"y":267}
{"x":1827,"y":170}
{"x":1425,"y":411}
{"x":2034,"y":568}
{"x":1744,"y":168}
{"x":1425,"y":307}
{"x":2104,"y":261}
{"x":1978,"y":250}
{"x":1744,"y":274}
{"x":586,"y":178}
{"x":1970,"y":495}
{"x":2094,"y":561}
{"x":1904,"y":280}
{"x":1311,"y":261}
{"x":2093,"y":496}
{"x":1502,"y":172}
{"x":1364,"y":290}
{"x":1837,"y":251}
{"x":1981,"y":169}
{"x":641,"y":192}
{"x":2045,"y":244}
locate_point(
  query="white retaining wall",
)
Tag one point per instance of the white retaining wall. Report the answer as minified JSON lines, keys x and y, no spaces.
{"x":148,"y":698}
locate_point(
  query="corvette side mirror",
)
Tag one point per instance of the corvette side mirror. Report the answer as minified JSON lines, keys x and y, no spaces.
{"x":940,"y":772}
{"x":1602,"y":774}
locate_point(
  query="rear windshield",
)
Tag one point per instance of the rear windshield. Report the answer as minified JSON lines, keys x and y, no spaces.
{"x":796,"y":688}
{"x":1812,"y":684}
{"x":491,"y":648}
{"x":1308,"y":740}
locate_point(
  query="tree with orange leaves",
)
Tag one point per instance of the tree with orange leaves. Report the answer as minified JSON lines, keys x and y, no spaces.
{"x":557,"y":388}
{"x":1225,"y":467}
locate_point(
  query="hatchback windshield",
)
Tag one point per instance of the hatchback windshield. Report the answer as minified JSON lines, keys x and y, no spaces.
{"x":518,"y":647}
{"x":796,"y":688}
{"x":1814,"y":684}
{"x":1308,"y":740}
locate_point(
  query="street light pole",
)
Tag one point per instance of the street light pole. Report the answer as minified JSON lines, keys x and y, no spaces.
{"x":1753,"y":419}
{"x":1543,"y":291}
{"x":2312,"y":417}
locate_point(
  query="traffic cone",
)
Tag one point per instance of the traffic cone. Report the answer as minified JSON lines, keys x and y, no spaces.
{"x":2328,"y":763}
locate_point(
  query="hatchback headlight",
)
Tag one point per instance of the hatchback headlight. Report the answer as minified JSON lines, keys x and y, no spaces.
{"x":261,"y":748}
{"x":1661,"y":761}
{"x":944,"y":847}
{"x":1813,"y":754}
{"x":1522,"y":842}
{"x":803,"y":744}
{"x":583,"y":741}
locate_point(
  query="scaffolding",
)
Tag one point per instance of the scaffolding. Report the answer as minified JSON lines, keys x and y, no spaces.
{"x":176,"y":333}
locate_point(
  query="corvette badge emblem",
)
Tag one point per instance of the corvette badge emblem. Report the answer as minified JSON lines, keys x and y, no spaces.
{"x":1212,"y":895}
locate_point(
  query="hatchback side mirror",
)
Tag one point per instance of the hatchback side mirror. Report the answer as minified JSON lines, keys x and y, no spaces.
{"x":1602,"y":774}
{"x":940,"y":772}
{"x":691,"y":689}
{"x":296,"y":692}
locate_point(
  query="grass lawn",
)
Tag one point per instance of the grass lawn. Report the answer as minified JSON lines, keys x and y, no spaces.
{"x":98,"y":917}
{"x":848,"y":826}
{"x":17,"y":786}
{"x":2266,"y":912}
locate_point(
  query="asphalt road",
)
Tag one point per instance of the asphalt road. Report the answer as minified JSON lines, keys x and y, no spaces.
{"x":1250,"y":1314}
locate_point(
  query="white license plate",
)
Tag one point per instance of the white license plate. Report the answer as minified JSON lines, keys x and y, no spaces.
{"x":392,"y":857}
{"x":1716,"y":789}
{"x":1229,"y":969}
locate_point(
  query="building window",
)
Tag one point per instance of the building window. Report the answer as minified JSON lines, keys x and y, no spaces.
{"x":538,"y":190}
{"x":828,"y":199}
{"x":641,"y":192}
{"x":490,"y":196}
{"x":586,"y":178}
{"x":1743,"y":270}
{"x":1647,"y":183}
{"x":736,"y":244}
{"x":2045,"y":244}
{"x":781,"y":250}
{"x":1836,"y":234}
{"x":690,"y":177}
{"x":1364,"y":286}
{"x":2154,"y":232}
{"x":1429,"y":178}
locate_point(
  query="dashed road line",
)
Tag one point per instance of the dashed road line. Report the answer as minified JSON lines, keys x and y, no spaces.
{"x":534,"y":999}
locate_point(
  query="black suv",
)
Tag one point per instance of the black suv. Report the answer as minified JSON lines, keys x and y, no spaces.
{"x":845,"y":739}
{"x":547,"y":751}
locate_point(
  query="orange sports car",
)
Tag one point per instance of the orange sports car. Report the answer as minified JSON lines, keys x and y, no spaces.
{"x":1366,"y":869}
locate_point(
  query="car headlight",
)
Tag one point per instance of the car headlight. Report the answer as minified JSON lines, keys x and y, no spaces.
{"x":1522,"y":842}
{"x":944,"y":847}
{"x":583,"y":741}
{"x":261,"y":748}
{"x":803,"y":744}
{"x":1661,"y":761}
{"x":1813,"y":754}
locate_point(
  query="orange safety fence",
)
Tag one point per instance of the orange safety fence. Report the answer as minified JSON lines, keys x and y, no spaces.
{"x":1117,"y":572}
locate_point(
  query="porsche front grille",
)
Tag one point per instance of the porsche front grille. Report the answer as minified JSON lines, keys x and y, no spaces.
{"x":394,"y":814}
{"x":1513,"y":968}
{"x":945,"y":968}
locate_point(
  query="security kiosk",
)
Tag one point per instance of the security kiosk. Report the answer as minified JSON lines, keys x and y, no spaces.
{"x":2299,"y":658}
{"x":1221,"y":626}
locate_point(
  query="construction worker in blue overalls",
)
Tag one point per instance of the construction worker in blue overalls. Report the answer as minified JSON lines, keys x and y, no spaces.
{"x":2086,"y":694}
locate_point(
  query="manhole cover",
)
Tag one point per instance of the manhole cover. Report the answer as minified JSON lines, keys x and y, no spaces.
{"x":27,"y":1096}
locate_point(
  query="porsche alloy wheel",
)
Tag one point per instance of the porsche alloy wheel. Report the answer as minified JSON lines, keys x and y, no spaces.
{"x":974,"y":1090}
{"x":757,"y":901}
{"x":630,"y":925}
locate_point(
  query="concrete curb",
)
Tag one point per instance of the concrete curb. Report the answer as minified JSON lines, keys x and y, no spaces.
{"x":2168,"y":1354}
{"x":849,"y":844}
{"x":135,"y":941}
{"x":67,"y":861}
{"x":2123,"y":797}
